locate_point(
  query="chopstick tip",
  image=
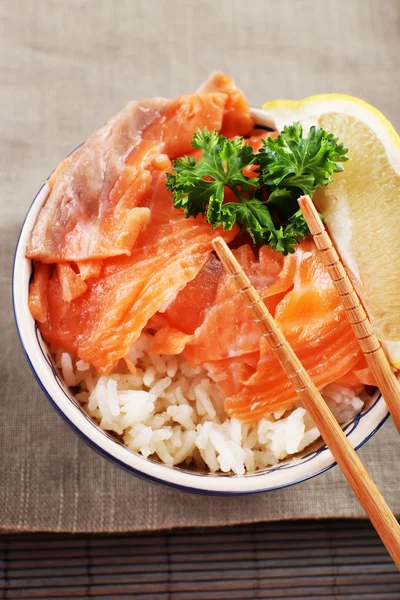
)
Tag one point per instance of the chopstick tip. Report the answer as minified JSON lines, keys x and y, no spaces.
{"x":219,"y":243}
{"x":311,"y":215}
{"x":304,"y":200}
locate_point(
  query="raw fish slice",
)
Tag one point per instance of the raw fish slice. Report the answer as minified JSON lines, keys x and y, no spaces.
{"x":188,"y":310}
{"x":237,"y":118}
{"x":72,"y":285}
{"x":38,"y":290}
{"x":102,"y":324}
{"x":229,"y":329}
{"x":232,"y":373}
{"x":89,"y":268}
{"x":81,"y":185}
{"x":313,"y":307}
{"x":359,"y":376}
{"x":314,"y":322}
{"x":168,"y":340}
{"x":267,"y":390}
{"x":78,"y":222}
{"x":183,"y":117}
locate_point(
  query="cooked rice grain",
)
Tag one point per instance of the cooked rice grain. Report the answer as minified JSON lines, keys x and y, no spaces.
{"x":163,"y":407}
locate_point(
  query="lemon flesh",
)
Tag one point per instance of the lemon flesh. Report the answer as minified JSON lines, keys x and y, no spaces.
{"x":362,"y":205}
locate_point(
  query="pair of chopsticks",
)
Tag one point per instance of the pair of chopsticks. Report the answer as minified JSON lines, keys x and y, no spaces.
{"x":369,"y":343}
{"x":358,"y":477}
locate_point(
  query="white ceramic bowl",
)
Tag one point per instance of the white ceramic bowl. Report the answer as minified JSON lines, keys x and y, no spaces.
{"x":299,"y":468}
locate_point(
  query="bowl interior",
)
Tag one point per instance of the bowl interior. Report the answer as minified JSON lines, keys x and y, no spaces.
{"x":312,"y":461}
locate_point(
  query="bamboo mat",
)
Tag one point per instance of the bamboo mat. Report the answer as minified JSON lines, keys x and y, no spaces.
{"x":318,"y":560}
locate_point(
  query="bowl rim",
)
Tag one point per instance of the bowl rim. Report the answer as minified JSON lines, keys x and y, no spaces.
{"x":273,"y":478}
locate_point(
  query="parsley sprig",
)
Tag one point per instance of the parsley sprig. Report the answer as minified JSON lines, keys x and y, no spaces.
{"x":266,"y":205}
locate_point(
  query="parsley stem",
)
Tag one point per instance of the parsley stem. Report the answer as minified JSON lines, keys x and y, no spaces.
{"x":238,"y":194}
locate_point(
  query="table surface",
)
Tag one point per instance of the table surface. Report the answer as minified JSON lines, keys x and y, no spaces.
{"x":65,"y":67}
{"x":300,"y":559}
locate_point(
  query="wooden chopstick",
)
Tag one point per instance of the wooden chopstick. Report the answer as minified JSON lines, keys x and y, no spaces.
{"x":369,"y":343}
{"x":358,"y":477}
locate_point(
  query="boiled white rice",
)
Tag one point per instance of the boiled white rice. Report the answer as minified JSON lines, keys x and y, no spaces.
{"x":168,"y":409}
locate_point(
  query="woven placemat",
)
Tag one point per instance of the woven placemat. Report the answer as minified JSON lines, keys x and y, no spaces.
{"x":319,"y":560}
{"x":65,"y":67}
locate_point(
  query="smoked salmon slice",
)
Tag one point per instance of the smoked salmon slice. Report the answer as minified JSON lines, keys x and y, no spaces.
{"x":228,"y":330}
{"x":81,"y":186}
{"x":38,"y":291}
{"x":168,"y":340}
{"x":101,"y":325}
{"x":188,"y":310}
{"x":237,"y":118}
{"x":209,"y":306}
{"x":314,"y":322}
{"x":89,"y":268}
{"x":72,"y":285}
{"x":74,"y":223}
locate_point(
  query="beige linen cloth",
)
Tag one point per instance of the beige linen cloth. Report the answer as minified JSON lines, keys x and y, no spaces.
{"x":65,"y":67}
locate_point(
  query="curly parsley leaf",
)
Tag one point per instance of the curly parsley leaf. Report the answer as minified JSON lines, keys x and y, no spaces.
{"x":222,"y":164}
{"x":252,"y":214}
{"x":300,"y":165}
{"x":266,"y":206}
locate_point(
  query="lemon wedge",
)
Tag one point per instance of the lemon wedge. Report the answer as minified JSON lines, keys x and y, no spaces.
{"x":362,"y":205}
